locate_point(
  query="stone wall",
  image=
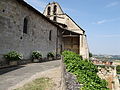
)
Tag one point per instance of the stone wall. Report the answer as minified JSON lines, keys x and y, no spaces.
{"x":84,"y":50}
{"x":68,"y":79}
{"x":108,"y":73}
{"x":12,"y":14}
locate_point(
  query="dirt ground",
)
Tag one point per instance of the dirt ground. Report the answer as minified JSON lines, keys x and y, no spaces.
{"x":54,"y":74}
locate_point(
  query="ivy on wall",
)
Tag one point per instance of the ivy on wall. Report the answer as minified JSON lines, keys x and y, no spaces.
{"x":85,"y":71}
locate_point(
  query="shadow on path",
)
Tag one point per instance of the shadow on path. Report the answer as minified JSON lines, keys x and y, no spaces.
{"x":9,"y":69}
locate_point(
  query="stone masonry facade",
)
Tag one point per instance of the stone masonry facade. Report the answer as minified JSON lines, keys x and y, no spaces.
{"x":12,"y":15}
{"x":24,"y":29}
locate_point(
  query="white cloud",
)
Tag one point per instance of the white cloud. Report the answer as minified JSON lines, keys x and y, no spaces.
{"x":101,"y":21}
{"x":108,"y":36}
{"x":69,"y":9}
{"x":106,"y":21}
{"x":112,"y":4}
{"x":111,"y":36}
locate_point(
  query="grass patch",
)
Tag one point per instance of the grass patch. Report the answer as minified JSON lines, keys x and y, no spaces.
{"x":38,"y":84}
{"x":118,"y":61}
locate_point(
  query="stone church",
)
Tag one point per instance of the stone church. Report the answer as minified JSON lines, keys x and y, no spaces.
{"x":24,"y":29}
{"x":74,"y":37}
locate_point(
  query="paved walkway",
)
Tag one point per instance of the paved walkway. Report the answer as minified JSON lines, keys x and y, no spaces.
{"x":12,"y":76}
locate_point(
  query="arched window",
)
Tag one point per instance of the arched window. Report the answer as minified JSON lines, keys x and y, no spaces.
{"x":25,"y":26}
{"x":48,"y":11}
{"x":55,"y":19}
{"x":50,"y":35}
{"x":55,"y":9}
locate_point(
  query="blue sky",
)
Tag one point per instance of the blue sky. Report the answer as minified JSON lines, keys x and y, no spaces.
{"x":99,"y":18}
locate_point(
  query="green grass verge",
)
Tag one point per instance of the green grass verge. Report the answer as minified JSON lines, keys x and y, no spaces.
{"x":38,"y":84}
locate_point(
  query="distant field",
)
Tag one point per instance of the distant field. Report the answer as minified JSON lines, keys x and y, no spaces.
{"x":117,"y":61}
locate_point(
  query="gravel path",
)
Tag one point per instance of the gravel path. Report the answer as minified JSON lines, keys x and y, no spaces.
{"x":12,"y":77}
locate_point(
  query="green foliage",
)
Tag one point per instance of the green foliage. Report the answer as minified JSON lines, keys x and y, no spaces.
{"x":85,"y":71}
{"x":50,"y":54}
{"x":13,"y":56}
{"x":36,"y":55}
{"x":118,"y":69}
{"x":90,"y":54}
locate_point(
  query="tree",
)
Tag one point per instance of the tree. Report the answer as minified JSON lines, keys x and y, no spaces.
{"x":90,"y":54}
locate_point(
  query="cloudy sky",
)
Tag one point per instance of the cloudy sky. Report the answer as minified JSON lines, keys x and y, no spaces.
{"x":100,"y":19}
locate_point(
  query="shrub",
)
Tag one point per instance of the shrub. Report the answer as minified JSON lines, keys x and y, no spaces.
{"x":85,"y":71}
{"x":118,"y":69}
{"x":50,"y":54}
{"x":58,"y":56}
{"x":36,"y":55}
{"x":13,"y":56}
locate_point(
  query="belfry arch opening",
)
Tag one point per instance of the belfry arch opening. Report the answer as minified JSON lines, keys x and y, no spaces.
{"x":55,"y":9}
{"x":48,"y":10}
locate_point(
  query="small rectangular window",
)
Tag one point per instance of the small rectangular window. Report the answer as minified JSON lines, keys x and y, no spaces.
{"x":50,"y":35}
{"x":25,"y":25}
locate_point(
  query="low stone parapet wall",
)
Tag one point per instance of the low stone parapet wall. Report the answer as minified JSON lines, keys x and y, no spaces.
{"x":68,"y":79}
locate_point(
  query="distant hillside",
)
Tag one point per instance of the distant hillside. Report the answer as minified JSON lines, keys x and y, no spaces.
{"x":107,"y":57}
